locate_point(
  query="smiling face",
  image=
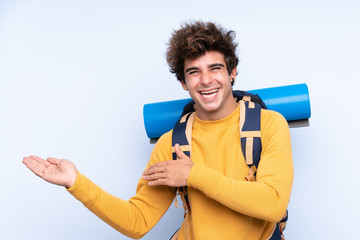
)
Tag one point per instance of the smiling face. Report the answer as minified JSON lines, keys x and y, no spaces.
{"x":209,"y":85}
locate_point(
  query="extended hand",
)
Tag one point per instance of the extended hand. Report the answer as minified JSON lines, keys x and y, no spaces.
{"x":171,"y":173}
{"x":57,"y":171}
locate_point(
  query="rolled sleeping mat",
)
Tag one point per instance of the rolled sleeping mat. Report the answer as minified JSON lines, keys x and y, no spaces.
{"x":291,"y":101}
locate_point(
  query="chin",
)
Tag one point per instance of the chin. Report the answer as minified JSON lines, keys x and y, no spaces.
{"x":210,"y":109}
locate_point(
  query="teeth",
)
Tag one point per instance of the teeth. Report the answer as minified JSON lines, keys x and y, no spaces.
{"x":209,"y":92}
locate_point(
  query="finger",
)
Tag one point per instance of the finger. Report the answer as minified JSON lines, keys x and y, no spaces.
{"x":34,"y":162}
{"x":145,"y":172}
{"x":39,"y":160}
{"x":34,"y":166}
{"x":36,"y":158}
{"x":154,"y":170}
{"x":157,"y":182}
{"x":154,"y":176}
{"x":25,"y":160}
{"x":149,"y":168}
{"x":180,"y":154}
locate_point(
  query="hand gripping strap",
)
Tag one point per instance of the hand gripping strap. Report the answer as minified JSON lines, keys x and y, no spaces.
{"x":250,"y":134}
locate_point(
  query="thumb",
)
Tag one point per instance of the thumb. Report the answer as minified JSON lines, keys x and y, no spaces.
{"x":54,"y":161}
{"x":180,"y":154}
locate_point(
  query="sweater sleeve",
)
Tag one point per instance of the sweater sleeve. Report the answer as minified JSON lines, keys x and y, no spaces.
{"x":135,"y":217}
{"x":266,"y":198}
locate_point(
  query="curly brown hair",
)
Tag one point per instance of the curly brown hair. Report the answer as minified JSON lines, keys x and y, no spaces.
{"x":194,"y":39}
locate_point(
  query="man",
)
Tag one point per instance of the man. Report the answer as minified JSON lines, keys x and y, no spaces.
{"x":223,"y":204}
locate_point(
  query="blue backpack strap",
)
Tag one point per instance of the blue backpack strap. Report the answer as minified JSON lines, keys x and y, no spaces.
{"x":250,"y":134}
{"x":182,"y":135}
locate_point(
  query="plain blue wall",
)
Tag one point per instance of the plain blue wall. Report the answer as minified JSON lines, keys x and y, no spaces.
{"x":75,"y":75}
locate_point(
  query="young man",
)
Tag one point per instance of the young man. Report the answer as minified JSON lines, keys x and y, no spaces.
{"x":223,"y":204}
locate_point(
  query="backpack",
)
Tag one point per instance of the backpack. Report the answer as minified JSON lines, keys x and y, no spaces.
{"x":250,"y":135}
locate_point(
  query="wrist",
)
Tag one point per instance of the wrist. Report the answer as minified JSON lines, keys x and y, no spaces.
{"x":72,"y":180}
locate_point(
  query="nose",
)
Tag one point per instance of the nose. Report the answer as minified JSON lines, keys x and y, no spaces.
{"x":206,"y":78}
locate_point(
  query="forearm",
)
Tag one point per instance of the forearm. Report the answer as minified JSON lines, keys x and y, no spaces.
{"x":133,"y":218}
{"x":257,"y":199}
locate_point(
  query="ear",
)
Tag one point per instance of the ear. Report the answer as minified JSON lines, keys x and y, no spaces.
{"x":183,"y":84}
{"x":233,"y":74}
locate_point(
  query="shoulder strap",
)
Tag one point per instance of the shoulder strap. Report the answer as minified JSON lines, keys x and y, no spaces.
{"x":250,"y":134}
{"x":182,"y":133}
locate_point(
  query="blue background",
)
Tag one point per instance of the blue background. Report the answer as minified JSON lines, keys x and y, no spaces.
{"x":74,"y":76}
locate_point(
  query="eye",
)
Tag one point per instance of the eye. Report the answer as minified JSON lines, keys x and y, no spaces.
{"x":215,"y":68}
{"x":193,"y":72}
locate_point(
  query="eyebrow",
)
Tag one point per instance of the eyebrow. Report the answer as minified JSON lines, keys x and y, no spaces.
{"x":190,"y":69}
{"x":217,"y":65}
{"x":211,"y":66}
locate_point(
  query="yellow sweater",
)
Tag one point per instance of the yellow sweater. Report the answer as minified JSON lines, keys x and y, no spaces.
{"x":223,"y":204}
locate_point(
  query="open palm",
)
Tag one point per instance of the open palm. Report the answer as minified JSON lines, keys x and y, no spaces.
{"x":57,"y":171}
